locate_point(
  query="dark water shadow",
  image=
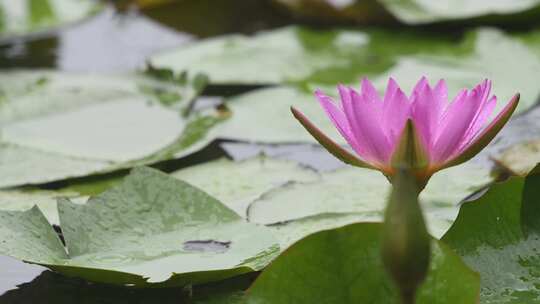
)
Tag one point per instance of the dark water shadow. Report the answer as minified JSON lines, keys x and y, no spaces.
{"x":50,"y":287}
{"x":207,"y":18}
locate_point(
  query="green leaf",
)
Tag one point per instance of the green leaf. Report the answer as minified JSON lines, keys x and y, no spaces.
{"x":213,"y":176}
{"x":26,"y":17}
{"x":45,"y":200}
{"x":238,"y":184}
{"x":310,"y":59}
{"x":49,"y":130}
{"x":354,"y":194}
{"x":344,"y":266}
{"x":151,"y":229}
{"x":497,"y":236}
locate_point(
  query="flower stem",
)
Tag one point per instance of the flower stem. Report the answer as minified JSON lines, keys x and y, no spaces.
{"x":406,"y":244}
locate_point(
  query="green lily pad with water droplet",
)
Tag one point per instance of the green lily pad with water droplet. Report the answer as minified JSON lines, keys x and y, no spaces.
{"x":498,"y":235}
{"x":152,"y":229}
{"x":344,"y":266}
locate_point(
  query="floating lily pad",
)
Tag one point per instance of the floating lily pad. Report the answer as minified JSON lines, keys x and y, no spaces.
{"x":238,"y":184}
{"x":344,"y":266}
{"x":45,"y":200}
{"x":267,"y":112}
{"x":25,"y":17}
{"x":55,"y":126}
{"x":497,"y":235}
{"x":230,"y":182}
{"x":151,"y":229}
{"x":425,"y":11}
{"x":308,"y":58}
{"x":411,"y":11}
{"x":352,"y":193}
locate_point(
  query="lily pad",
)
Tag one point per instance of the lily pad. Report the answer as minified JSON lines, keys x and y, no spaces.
{"x":152,"y":229}
{"x":411,"y":11}
{"x":45,"y":200}
{"x":425,"y":11}
{"x":267,"y":112}
{"x":349,"y":193}
{"x":344,"y":266}
{"x":309,"y":59}
{"x":49,"y":129}
{"x":25,"y":17}
{"x":497,"y":235}
{"x":230,"y":182}
{"x":520,"y":159}
{"x":238,"y":184}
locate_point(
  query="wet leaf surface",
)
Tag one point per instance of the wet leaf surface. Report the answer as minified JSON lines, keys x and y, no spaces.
{"x":324,"y":268}
{"x":497,"y":236}
{"x":230,"y":182}
{"x":352,"y":194}
{"x":135,"y":234}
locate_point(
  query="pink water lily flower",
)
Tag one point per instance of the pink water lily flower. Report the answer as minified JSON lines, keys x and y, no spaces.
{"x":443,"y":134}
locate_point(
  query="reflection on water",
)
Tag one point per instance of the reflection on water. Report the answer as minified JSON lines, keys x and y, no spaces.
{"x":112,"y":42}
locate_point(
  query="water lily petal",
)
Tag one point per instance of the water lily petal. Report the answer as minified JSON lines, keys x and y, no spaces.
{"x":330,"y":145}
{"x":395,"y":112}
{"x":486,"y":136}
{"x":419,"y":85}
{"x":369,"y":92}
{"x":368,"y":129}
{"x":478,"y":123}
{"x":425,"y":111}
{"x":455,"y":124}
{"x":339,"y":119}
